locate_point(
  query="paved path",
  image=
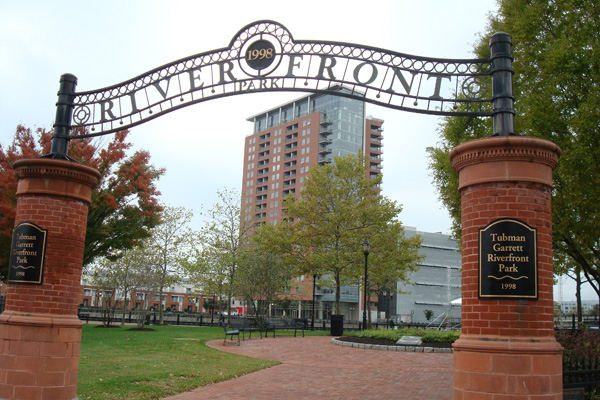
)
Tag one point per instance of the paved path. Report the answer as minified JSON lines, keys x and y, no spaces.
{"x":314,"y":368}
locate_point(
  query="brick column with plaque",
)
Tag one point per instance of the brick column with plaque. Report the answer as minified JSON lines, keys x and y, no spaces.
{"x":39,"y":329}
{"x":507,"y":349}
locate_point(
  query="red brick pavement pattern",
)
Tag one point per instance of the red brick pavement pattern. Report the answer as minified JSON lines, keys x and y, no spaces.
{"x":314,"y":368}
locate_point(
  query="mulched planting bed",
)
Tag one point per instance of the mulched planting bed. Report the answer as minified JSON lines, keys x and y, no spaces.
{"x":385,"y":342}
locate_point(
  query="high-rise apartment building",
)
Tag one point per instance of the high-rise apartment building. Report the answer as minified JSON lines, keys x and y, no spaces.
{"x":286,"y":142}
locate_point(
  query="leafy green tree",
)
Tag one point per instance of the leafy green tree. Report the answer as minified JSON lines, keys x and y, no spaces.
{"x":169,"y":243}
{"x":557,"y":69}
{"x":137,"y":270}
{"x":338,"y":208}
{"x":146,"y":276}
{"x":262,"y":276}
{"x":219,"y":246}
{"x":428,"y":314}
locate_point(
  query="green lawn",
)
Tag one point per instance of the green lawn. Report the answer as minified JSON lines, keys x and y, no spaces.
{"x":119,"y":364}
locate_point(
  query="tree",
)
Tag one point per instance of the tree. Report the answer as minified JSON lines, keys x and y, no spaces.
{"x":557,"y":70}
{"x":124,"y":207}
{"x":106,"y":279}
{"x":145,"y":277}
{"x":428,"y":314}
{"x":221,"y":239}
{"x":169,"y":243}
{"x":208,"y":271}
{"x":338,"y":208}
{"x":120,"y":277}
{"x":261,"y":277}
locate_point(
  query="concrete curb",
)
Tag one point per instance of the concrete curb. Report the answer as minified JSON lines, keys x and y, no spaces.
{"x":407,"y":349}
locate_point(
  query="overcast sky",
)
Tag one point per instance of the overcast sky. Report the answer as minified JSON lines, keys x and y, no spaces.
{"x":201,"y":146}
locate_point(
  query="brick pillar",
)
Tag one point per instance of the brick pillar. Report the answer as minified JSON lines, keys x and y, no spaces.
{"x":40,"y":333}
{"x":507,"y":349}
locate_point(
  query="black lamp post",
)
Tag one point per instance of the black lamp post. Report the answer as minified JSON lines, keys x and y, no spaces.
{"x":312,"y":324}
{"x":366,"y":247}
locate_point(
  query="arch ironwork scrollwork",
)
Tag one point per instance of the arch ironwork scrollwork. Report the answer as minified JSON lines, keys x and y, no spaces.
{"x":263,"y":56}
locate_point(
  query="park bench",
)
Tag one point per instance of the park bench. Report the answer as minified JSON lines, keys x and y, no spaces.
{"x":286,"y":324}
{"x":230,"y":332}
{"x":245,"y":325}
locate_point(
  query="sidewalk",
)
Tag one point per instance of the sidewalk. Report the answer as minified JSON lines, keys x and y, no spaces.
{"x":313,"y":368}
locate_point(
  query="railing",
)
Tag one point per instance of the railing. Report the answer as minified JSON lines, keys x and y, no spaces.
{"x":570,"y":321}
{"x":92,"y":314}
{"x":581,"y":373}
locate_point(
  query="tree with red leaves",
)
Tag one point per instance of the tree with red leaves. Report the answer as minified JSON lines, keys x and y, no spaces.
{"x":124,"y":206}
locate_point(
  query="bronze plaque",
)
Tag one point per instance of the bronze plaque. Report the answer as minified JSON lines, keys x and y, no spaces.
{"x":27,"y":254}
{"x":508,"y":260}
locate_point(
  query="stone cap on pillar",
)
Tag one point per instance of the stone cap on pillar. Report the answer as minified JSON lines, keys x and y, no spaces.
{"x":55,"y":177}
{"x":505,"y":158}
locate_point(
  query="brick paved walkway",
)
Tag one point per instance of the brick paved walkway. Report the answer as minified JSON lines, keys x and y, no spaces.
{"x":313,"y":368}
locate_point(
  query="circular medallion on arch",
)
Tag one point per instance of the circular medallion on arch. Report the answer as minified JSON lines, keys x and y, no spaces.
{"x":81,"y":115}
{"x":260,"y":55}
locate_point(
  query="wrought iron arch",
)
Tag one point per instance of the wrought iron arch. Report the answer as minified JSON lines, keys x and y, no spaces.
{"x":264,"y":57}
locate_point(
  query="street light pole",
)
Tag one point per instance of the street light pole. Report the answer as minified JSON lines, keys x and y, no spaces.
{"x":366,"y":247}
{"x":312,"y":324}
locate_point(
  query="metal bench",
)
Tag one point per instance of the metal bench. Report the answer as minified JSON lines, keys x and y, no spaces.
{"x":231,"y":333}
{"x":245,"y":325}
{"x":286,"y":324}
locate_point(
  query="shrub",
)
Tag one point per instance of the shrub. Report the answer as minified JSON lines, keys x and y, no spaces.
{"x":579,"y":344}
{"x":428,"y":335}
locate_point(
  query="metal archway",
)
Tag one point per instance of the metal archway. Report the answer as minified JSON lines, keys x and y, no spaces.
{"x":264,"y":57}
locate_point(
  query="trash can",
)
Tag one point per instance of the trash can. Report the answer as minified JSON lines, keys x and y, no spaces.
{"x":337,"y":325}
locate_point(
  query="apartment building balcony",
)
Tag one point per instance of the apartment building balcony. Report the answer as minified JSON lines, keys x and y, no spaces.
{"x":289,"y":174}
{"x":290,"y":164}
{"x":291,"y":155}
{"x":261,"y":189}
{"x":263,"y":146}
{"x":263,"y":163}
{"x":289,"y":183}
{"x":260,"y":199}
{"x":264,"y":154}
{"x":264,"y":137}
{"x":376,"y":149}
{"x":291,"y":128}
{"x":288,"y":192}
{"x":324,"y":140}
{"x":325,"y":131}
{"x":324,"y":121}
{"x":293,"y":136}
{"x":324,"y":160}
{"x":262,"y":172}
{"x":262,"y":180}
{"x":324,"y":150}
{"x":291,"y":146}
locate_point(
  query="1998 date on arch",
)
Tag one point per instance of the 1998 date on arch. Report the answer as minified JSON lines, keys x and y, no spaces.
{"x":259,"y":54}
